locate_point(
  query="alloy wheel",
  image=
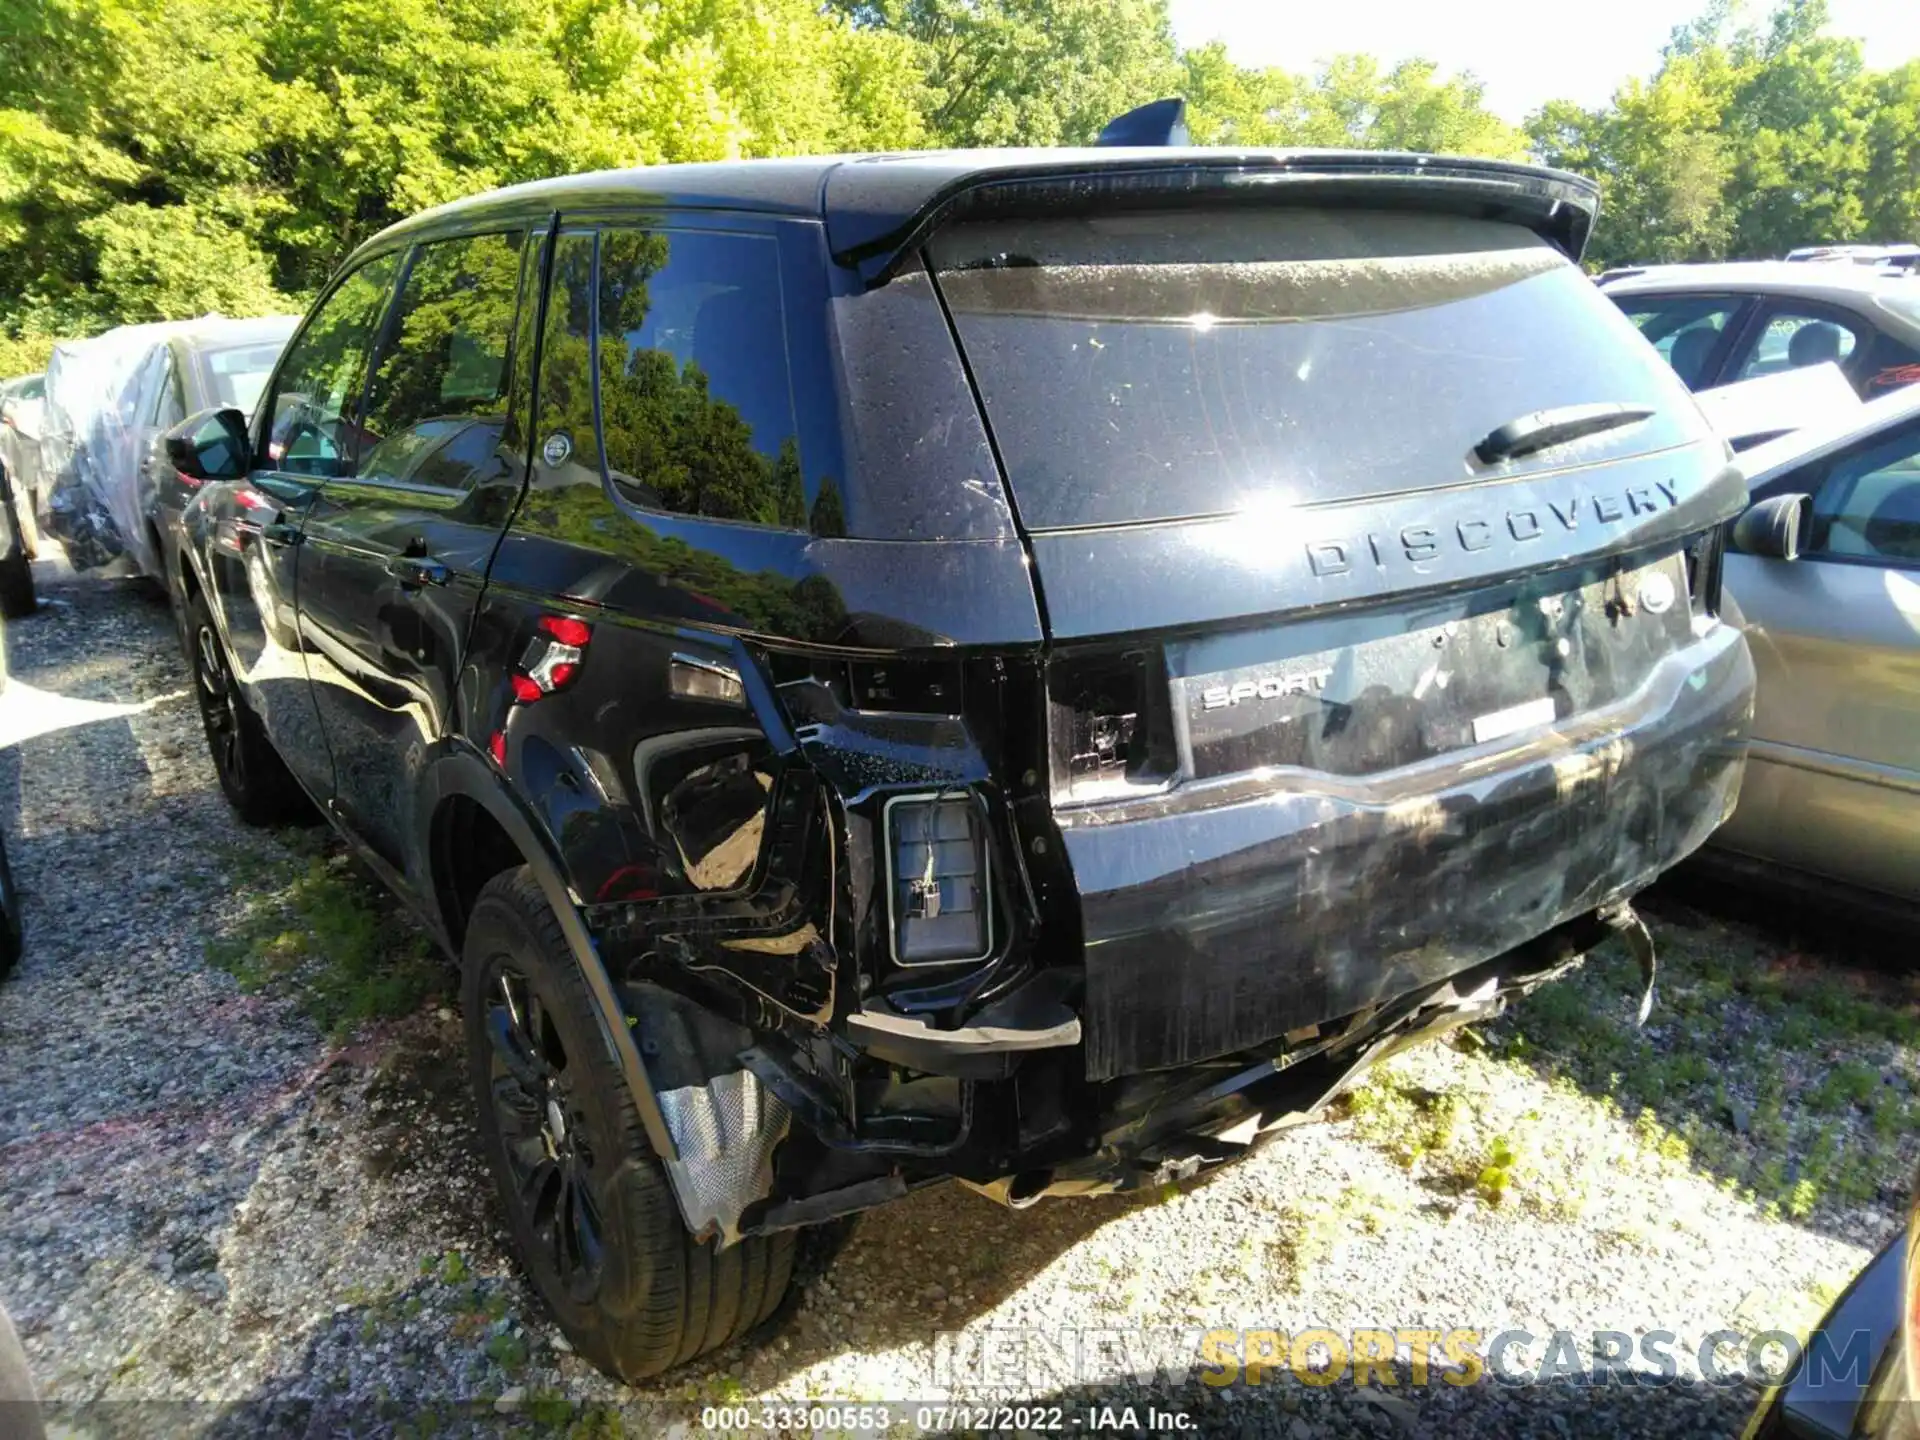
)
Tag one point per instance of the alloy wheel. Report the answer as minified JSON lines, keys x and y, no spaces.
{"x":535,"y":1100}
{"x":219,"y":706}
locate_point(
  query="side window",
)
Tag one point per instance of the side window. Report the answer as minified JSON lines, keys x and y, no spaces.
{"x":696,"y":406}
{"x":1794,"y":339}
{"x":1686,"y":330}
{"x":315,"y":426}
{"x":438,"y":399}
{"x":1868,"y":506}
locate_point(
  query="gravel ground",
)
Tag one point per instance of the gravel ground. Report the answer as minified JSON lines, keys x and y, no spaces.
{"x":227,"y":1178}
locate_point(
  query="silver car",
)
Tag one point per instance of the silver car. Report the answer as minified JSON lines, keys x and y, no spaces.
{"x":1718,"y":324}
{"x":1832,"y":791}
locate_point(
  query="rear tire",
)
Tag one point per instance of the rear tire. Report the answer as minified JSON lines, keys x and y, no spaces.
{"x":255,"y":779}
{"x":591,"y":1209}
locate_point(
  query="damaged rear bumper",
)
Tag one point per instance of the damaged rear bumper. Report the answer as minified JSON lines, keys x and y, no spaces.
{"x":1220,"y":916}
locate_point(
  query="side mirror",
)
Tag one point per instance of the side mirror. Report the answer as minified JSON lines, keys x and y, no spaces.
{"x":213,"y":445}
{"x":1771,"y":529}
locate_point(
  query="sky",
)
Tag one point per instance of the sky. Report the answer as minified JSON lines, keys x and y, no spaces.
{"x":1523,"y":51}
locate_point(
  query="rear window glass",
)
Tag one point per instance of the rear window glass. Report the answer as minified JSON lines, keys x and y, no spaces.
{"x":1143,"y":367}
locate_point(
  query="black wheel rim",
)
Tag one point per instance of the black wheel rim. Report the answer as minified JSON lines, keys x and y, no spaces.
{"x":219,"y":708}
{"x":534,"y":1092}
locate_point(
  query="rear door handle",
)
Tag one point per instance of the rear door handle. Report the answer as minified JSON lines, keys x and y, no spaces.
{"x":413,"y":571}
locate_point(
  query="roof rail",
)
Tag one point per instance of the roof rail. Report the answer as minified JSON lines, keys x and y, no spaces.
{"x":1159,"y":122}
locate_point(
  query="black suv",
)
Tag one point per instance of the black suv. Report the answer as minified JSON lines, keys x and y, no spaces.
{"x":1026,"y":667}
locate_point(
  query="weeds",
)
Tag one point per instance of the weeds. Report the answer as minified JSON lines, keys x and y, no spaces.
{"x":1806,"y":1107}
{"x":315,"y":928}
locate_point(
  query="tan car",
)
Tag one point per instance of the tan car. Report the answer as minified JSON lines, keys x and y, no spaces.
{"x":1832,"y":791}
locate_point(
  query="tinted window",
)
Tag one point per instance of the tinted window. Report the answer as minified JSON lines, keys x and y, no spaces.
{"x":316,"y":408}
{"x":1176,"y":364}
{"x":1685,"y":330}
{"x":1868,"y":507}
{"x":445,"y":367}
{"x":696,"y":410}
{"x":1793,"y":340}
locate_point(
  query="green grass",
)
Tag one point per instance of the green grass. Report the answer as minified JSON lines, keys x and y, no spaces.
{"x":316,"y":928}
{"x":509,"y":1352}
{"x":1797,"y":1112}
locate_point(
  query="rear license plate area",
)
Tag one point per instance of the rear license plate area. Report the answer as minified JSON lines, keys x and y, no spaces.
{"x":1359,"y":693}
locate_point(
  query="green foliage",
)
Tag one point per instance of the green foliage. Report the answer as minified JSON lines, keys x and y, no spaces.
{"x":1811,"y":1107}
{"x":1350,"y":103}
{"x":168,"y":157}
{"x":1497,"y":1174}
{"x":316,"y":929}
{"x":155,"y":263}
{"x":1747,"y":143}
{"x":508,"y":1351}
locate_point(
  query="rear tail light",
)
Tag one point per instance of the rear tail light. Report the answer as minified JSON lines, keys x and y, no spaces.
{"x":567,"y":630}
{"x":939,"y":862}
{"x":552,"y":658}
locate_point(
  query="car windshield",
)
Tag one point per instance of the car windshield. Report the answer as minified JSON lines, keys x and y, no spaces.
{"x":237,"y":375}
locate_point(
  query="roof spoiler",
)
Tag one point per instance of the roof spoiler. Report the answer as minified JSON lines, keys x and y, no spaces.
{"x":1160,"y":122}
{"x":874,"y":228}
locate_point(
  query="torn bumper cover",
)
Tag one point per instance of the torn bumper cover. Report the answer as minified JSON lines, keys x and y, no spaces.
{"x":1169,"y":1126}
{"x":1218,"y":917}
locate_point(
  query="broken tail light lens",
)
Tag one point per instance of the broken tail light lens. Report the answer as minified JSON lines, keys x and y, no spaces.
{"x":938,"y":900}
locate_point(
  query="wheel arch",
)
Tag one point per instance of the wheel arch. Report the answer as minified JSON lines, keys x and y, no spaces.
{"x":460,"y":787}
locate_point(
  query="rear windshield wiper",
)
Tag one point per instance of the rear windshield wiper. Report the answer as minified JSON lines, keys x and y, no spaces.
{"x":1544,"y":429}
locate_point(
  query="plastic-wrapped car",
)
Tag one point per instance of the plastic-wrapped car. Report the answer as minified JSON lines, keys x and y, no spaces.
{"x":22,"y":401}
{"x":109,"y":399}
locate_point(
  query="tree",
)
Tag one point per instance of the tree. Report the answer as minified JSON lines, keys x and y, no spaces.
{"x":1892,"y":187}
{"x":158,"y":157}
{"x":1660,"y":154}
{"x":1029,"y":72}
{"x":1746,"y":142}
